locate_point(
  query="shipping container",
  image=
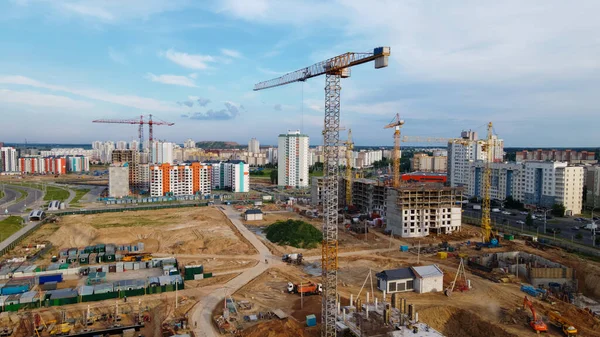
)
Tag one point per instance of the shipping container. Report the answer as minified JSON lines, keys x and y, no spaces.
{"x":50,"y":278}
{"x":311,"y":320}
{"x":207,"y":275}
{"x":49,"y":286}
{"x":14,"y":289}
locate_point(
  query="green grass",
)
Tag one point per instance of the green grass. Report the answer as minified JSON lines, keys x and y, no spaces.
{"x":1,"y":194}
{"x":9,"y":226}
{"x":79,"y":193}
{"x":56,"y":193}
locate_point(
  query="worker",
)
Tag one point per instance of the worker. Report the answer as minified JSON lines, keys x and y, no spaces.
{"x":125,"y":299}
{"x":266,"y":262}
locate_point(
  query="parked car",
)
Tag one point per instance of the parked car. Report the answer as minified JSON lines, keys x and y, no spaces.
{"x":524,"y":213}
{"x":575,"y":228}
{"x":505,"y":213}
{"x":553,"y":230}
{"x":519,"y":222}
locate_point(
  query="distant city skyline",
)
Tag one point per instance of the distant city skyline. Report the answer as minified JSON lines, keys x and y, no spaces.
{"x":529,"y":67}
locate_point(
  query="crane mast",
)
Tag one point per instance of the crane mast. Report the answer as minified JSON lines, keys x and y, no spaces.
{"x":396,"y":123}
{"x":334,"y":70}
{"x":486,"y":226}
{"x":349,"y":148}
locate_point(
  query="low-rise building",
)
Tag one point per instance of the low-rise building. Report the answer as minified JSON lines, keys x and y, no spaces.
{"x":421,"y":279}
{"x":425,"y":163}
{"x":253,"y":214}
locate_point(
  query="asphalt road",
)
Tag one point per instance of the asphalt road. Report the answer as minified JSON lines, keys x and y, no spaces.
{"x":31,"y":201}
{"x":9,"y":195}
{"x":565,"y":224}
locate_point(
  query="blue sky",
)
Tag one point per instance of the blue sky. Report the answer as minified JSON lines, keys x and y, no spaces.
{"x":531,"y":67}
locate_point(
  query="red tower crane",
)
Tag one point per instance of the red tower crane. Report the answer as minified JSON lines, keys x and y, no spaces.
{"x":140,"y":122}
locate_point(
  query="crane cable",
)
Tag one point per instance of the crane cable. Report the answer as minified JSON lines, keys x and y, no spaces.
{"x":302,"y":110}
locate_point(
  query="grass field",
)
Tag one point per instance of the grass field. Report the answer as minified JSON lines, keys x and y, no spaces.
{"x":79,"y":193}
{"x":9,"y":226}
{"x":56,"y":193}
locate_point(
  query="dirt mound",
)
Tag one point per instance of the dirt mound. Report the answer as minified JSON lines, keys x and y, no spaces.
{"x":457,"y":322}
{"x":281,"y":328}
{"x":74,"y":235}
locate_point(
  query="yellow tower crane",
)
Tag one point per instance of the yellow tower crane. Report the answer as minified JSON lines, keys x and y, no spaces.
{"x":349,"y":148}
{"x":488,"y":148}
{"x":334,"y":69}
{"x":396,"y":123}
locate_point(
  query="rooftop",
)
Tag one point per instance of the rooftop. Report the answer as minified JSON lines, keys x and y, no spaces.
{"x":254,"y":211}
{"x":396,"y":274}
{"x":428,"y":271}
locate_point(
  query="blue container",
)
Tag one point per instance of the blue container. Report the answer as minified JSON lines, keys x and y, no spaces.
{"x":404,"y":248}
{"x":15,"y":289}
{"x":50,"y":278}
{"x":311,"y":320}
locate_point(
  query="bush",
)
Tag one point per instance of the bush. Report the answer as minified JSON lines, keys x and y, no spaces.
{"x":558,"y":210}
{"x":294,"y":233}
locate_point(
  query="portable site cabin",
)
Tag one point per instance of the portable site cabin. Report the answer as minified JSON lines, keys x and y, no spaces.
{"x":396,"y":280}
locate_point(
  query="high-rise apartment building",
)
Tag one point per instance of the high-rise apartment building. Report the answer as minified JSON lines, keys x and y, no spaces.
{"x":118,"y":180}
{"x":423,"y":162}
{"x":178,"y":180}
{"x":592,"y":184}
{"x":466,"y":150}
{"x":547,"y":183}
{"x":293,"y":159}
{"x":121,"y":145}
{"x":232,"y":175}
{"x":508,"y":180}
{"x":161,"y":152}
{"x":253,"y":146}
{"x":134,"y":145}
{"x":78,"y":164}
{"x":8,"y":159}
{"x":189,"y":144}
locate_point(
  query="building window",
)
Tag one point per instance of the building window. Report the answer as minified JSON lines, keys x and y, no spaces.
{"x":409,"y":284}
{"x":391,"y":286}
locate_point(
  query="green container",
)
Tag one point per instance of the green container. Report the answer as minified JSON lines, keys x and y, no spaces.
{"x":207,"y":275}
{"x":509,"y":237}
{"x":64,"y":266}
{"x":450,"y":249}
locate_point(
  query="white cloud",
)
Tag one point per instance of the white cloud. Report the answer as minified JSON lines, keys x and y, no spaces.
{"x":172,"y":79}
{"x":193,"y":75}
{"x":42,"y":100}
{"x":231,"y":53}
{"x":87,"y":9}
{"x":143,"y":103}
{"x":190,"y":61}
{"x":116,"y":56}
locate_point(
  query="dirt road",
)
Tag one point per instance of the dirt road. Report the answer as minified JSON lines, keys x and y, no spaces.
{"x":202,"y":313}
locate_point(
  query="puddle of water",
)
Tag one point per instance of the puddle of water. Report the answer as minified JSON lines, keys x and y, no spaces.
{"x":258,"y":231}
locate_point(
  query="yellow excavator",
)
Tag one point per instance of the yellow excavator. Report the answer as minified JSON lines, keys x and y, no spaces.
{"x":561,"y":322}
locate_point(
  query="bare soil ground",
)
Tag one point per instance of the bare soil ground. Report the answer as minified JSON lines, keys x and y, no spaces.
{"x":203,"y":230}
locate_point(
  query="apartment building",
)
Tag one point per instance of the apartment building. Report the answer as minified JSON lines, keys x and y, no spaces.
{"x":466,"y":150}
{"x":569,"y":156}
{"x":508,"y":179}
{"x":132,"y":158}
{"x":254,"y":146}
{"x":232,"y":175}
{"x":8,"y":159}
{"x":182,"y":179}
{"x":423,"y":162}
{"x":292,"y":170}
{"x":118,"y":180}
{"x":418,"y":210}
{"x":547,"y":183}
{"x":592,"y":183}
{"x":369,"y":196}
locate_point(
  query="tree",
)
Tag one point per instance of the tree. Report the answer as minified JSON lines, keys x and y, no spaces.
{"x":558,"y":210}
{"x":511,"y":203}
{"x":274,"y":177}
{"x":578,"y":236}
{"x":529,"y":220}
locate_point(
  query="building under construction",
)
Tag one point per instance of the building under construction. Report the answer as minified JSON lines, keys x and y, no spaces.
{"x":369,"y":196}
{"x":420,"y":209}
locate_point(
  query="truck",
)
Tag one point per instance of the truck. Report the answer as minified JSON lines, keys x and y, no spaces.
{"x":305,"y":289}
{"x":292,"y":258}
{"x":562,"y":323}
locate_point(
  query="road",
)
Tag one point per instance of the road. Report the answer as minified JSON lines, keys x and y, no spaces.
{"x":202,"y":312}
{"x":9,"y":195}
{"x":565,"y":224}
{"x":34,"y":196}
